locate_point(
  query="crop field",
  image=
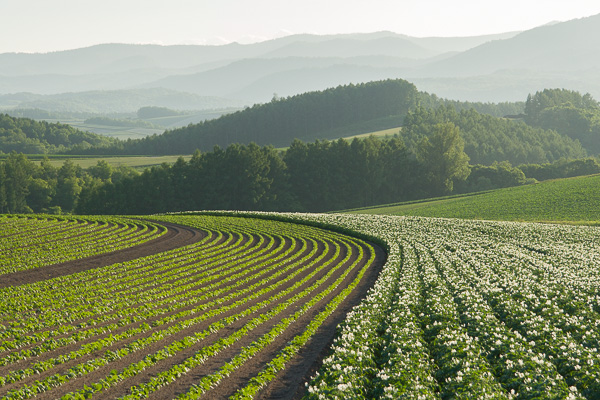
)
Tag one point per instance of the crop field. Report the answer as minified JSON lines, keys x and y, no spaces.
{"x":27,"y":243}
{"x":460,"y":309}
{"x":215,"y":318}
{"x":471,"y":310}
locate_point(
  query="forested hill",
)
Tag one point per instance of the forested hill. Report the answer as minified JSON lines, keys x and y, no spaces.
{"x":309,"y":116}
{"x":33,"y":137}
{"x":490,"y":139}
{"x":329,"y":114}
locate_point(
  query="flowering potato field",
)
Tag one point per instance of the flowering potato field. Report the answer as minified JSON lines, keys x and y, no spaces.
{"x":214,"y":319}
{"x":470,"y":310}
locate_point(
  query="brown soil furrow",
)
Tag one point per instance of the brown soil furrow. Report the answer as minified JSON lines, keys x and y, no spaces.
{"x":250,"y":368}
{"x":211,"y":363}
{"x":134,"y":276}
{"x":290,"y":383}
{"x":63,"y":350}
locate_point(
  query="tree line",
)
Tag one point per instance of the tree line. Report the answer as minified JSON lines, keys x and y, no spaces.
{"x":315,"y":177}
{"x":491,"y":139}
{"x":27,"y":186}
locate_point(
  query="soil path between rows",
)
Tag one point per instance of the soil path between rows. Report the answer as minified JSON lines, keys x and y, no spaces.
{"x":175,"y":237}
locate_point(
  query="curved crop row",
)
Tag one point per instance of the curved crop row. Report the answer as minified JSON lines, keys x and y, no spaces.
{"x":250,"y":289}
{"x":33,"y":242}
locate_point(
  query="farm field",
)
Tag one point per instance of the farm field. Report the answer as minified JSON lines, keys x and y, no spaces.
{"x":215,"y":318}
{"x":471,"y":309}
{"x":123,"y":132}
{"x":572,"y":200}
{"x":383,"y":133}
{"x":460,"y":309}
{"x":156,"y":126}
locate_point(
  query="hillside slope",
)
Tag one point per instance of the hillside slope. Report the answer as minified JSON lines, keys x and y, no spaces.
{"x":563,"y":200}
{"x":215,"y":70}
{"x":308,"y":116}
{"x":32,"y":137}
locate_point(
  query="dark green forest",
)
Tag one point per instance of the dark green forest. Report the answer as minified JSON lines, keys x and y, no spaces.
{"x":307,"y":116}
{"x":567,"y":112}
{"x":490,"y":139}
{"x":550,"y":125}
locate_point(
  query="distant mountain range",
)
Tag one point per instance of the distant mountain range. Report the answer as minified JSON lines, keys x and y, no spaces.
{"x":504,"y":67}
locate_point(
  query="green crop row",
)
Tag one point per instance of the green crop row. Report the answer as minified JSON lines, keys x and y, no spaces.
{"x":245,"y":273}
{"x":45,"y":241}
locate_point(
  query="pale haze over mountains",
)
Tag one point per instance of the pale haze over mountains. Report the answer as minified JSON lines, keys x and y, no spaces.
{"x":494,"y":68}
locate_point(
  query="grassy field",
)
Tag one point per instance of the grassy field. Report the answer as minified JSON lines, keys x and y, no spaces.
{"x":119,"y":132}
{"x":138,"y":162}
{"x":156,"y":125}
{"x":241,"y":305}
{"x":574,"y":200}
{"x":245,"y":296}
{"x":381,"y":133}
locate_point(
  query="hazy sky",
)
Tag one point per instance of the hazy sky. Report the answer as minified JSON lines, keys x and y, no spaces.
{"x":50,"y":25}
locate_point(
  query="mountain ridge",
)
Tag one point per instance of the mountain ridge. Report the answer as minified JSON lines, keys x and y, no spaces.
{"x":493,"y":68}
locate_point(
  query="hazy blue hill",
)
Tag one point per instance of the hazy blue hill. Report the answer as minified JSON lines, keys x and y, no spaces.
{"x":568,"y":46}
{"x":98,"y":61}
{"x":291,"y":82}
{"x":509,"y":85}
{"x":457,"y":44}
{"x":256,"y":80}
{"x":94,"y":59}
{"x":61,"y":83}
{"x":503,"y":67}
{"x":345,"y":47}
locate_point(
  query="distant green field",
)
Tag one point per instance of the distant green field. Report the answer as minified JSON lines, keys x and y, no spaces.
{"x":138,"y":162}
{"x":381,"y":133}
{"x":574,"y":200}
{"x":160,"y":124}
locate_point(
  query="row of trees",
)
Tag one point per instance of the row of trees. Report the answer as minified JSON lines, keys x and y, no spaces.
{"x":490,"y":139}
{"x":319,"y":176}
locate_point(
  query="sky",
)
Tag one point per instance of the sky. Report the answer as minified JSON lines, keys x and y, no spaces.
{"x":52,"y":25}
